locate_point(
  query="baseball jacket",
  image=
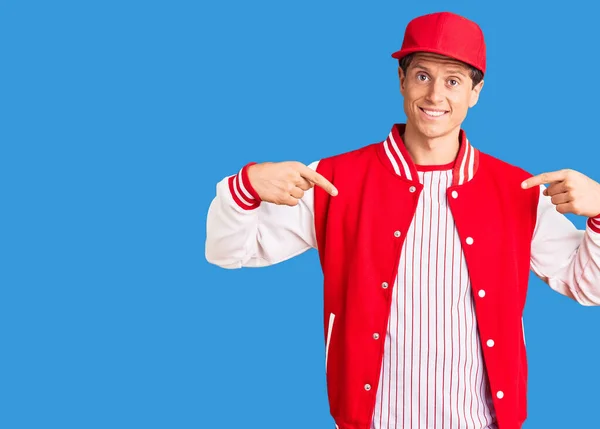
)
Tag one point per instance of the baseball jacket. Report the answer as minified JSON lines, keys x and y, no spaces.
{"x":505,"y":232}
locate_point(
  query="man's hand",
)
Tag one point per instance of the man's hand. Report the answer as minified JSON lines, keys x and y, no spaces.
{"x":284,"y":183}
{"x":571,"y":191}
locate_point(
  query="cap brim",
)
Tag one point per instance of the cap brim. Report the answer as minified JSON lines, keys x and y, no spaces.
{"x":404,"y":52}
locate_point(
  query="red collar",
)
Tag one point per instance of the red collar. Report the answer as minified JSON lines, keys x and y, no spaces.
{"x":398,"y":160}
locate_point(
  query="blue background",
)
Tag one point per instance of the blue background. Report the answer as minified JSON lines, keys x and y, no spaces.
{"x":118,"y":118}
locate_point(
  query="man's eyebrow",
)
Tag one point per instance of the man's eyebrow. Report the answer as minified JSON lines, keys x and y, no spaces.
{"x":456,"y":71}
{"x":421,"y":66}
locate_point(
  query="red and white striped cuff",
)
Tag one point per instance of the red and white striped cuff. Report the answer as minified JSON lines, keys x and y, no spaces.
{"x":242,"y":191}
{"x":594,"y":223}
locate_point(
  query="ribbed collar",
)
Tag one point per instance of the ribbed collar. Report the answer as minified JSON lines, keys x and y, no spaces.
{"x":396,"y":157}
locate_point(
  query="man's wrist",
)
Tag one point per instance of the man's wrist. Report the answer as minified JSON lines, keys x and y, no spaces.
{"x":248,"y":182}
{"x":242,"y":191}
{"x":594,"y":223}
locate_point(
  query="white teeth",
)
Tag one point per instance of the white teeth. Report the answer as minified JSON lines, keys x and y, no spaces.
{"x":433,"y":113}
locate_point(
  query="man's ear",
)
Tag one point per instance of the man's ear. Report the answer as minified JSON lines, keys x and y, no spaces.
{"x":475,"y":94}
{"x":402,"y":78}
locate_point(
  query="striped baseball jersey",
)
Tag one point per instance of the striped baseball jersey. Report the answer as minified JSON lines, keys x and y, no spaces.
{"x":433,"y":374}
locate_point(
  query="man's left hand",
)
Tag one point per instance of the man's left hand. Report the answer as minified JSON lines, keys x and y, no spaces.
{"x":571,"y":191}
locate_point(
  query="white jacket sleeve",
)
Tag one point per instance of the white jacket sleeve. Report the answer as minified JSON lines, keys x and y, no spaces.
{"x":242,"y":231}
{"x":566,"y":258}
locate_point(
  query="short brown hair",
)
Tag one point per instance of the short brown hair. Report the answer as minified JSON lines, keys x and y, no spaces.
{"x":476,"y":74}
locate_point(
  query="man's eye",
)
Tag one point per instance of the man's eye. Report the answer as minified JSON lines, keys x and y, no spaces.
{"x":453,"y":82}
{"x":421,"y":77}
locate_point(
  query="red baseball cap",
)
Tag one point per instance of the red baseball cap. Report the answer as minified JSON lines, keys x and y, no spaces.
{"x":447,"y":34}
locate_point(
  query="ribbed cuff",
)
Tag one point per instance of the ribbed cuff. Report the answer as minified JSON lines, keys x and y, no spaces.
{"x":594,"y":224}
{"x":242,"y":191}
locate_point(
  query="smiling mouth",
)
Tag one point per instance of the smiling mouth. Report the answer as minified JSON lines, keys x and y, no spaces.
{"x":434,"y":113}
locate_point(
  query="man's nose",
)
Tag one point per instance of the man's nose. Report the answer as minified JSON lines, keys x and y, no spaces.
{"x":435,"y":94}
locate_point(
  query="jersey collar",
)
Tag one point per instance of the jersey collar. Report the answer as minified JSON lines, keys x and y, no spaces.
{"x":396,"y":158}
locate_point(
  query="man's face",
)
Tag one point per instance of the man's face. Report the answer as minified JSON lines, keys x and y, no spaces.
{"x":438,"y":92}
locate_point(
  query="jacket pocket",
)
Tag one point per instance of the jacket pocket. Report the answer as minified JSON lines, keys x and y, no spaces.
{"x":329,"y":330}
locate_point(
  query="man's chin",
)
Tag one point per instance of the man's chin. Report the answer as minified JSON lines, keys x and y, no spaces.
{"x":432,"y":130}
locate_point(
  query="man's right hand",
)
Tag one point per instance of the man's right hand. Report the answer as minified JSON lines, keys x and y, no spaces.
{"x":284,"y":183}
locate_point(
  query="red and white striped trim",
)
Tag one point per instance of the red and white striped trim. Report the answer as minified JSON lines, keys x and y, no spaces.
{"x":242,"y":191}
{"x":397,"y":156}
{"x":594,"y":224}
{"x":465,"y":166}
{"x":467,"y":162}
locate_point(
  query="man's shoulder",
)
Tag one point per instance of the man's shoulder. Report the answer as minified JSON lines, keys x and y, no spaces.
{"x":350,"y":163}
{"x":498,"y":166}
{"x":362,"y":151}
{"x":351,"y":157}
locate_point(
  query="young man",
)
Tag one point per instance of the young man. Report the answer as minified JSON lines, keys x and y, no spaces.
{"x":426,"y":245}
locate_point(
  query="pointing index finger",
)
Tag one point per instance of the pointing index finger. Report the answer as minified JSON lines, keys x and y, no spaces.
{"x":544,"y":178}
{"x":318,"y":180}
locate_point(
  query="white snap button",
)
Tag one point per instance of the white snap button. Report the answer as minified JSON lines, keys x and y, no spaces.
{"x":412,"y":189}
{"x":367,"y":387}
{"x":375,"y":336}
{"x":500,"y":394}
{"x":490,"y":343}
{"x":454,"y":194}
{"x":384,"y":285}
{"x":397,"y":234}
{"x":470,"y":240}
{"x":481,"y":293}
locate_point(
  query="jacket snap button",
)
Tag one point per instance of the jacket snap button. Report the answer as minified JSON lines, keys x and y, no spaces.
{"x":481,"y":293}
{"x":490,"y":343}
{"x":397,"y":234}
{"x":469,"y":240}
{"x":384,"y":285}
{"x":375,"y":336}
{"x":500,"y":394}
{"x":412,"y":189}
{"x":454,"y":194}
{"x":367,"y":387}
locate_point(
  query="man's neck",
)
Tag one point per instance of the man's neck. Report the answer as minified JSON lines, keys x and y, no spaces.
{"x":426,"y":151}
